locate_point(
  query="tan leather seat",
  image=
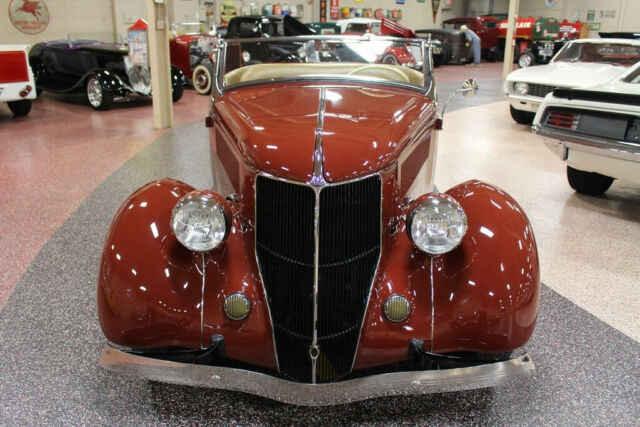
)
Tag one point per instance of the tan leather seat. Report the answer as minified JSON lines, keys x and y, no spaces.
{"x":281,"y":71}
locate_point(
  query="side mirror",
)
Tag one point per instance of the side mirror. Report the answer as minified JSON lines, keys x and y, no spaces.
{"x":469,"y":89}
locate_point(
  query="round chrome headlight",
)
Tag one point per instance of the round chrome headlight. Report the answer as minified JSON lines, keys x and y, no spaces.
{"x":521,"y":88}
{"x":199,"y":222}
{"x":437,"y":224}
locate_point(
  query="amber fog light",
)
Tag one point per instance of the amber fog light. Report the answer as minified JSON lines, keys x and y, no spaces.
{"x":237,"y":306}
{"x":397,"y":308}
{"x":437,"y":224}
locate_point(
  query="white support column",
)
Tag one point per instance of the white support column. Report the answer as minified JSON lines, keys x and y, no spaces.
{"x":159,"y":62}
{"x":514,"y":7}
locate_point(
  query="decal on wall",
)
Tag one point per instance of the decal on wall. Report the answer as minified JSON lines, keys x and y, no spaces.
{"x":550,"y":3}
{"x":29,"y":16}
{"x":435,"y":4}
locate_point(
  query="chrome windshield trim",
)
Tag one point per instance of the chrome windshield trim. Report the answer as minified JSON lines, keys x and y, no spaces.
{"x":341,"y":392}
{"x":427,"y":67}
{"x":622,"y":150}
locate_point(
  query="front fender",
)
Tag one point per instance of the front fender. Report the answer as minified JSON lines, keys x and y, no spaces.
{"x":108,"y":80}
{"x":153,"y":292}
{"x":481,"y":297}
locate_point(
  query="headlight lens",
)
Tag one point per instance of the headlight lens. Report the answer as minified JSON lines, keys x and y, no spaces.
{"x":521,"y":88}
{"x":199,"y":222}
{"x":437,"y":224}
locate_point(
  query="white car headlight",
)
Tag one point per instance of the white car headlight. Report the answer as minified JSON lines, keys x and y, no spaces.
{"x":521,"y":88}
{"x":437,"y":224}
{"x":199,"y":222}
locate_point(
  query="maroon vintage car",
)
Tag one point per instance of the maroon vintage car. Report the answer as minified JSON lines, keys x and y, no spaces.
{"x":486,"y":27}
{"x":192,"y":50}
{"x":323,"y":266}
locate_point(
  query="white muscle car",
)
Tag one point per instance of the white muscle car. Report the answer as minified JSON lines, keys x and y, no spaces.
{"x":580,"y":63}
{"x":596,"y":130}
{"x":17,"y":87}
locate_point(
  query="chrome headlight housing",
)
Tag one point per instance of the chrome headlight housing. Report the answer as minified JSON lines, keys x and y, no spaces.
{"x":437,"y":224}
{"x":520,"y":88}
{"x":199,"y":222}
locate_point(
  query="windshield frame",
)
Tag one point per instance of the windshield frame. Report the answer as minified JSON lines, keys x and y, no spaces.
{"x":428,"y":87}
{"x":571,"y":43}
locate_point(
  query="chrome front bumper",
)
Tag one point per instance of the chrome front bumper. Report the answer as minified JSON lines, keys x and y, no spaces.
{"x":561,"y":142}
{"x":281,"y":390}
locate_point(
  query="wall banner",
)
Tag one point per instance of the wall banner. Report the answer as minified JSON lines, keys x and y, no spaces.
{"x":435,"y":4}
{"x":29,"y":16}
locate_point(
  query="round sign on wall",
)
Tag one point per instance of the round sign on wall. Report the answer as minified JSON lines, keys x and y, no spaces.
{"x":29,"y":16}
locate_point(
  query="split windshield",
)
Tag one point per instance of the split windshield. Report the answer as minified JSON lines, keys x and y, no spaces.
{"x":371,"y":59}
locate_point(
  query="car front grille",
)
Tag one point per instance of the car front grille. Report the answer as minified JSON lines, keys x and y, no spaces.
{"x":348,"y":253}
{"x":539,"y":90}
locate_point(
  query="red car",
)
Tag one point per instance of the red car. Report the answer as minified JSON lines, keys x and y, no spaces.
{"x":17,"y":86}
{"x":192,"y":50}
{"x":398,"y":53}
{"x":322,"y":266}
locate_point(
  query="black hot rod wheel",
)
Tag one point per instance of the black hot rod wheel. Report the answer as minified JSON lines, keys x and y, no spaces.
{"x":201,"y":78}
{"x":98,"y":98}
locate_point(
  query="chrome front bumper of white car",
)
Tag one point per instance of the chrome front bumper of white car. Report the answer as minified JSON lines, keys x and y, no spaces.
{"x":281,"y":390}
{"x":562,"y":142}
{"x":616,"y":159}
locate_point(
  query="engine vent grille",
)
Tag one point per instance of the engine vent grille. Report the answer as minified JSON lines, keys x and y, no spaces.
{"x":349,"y":249}
{"x":539,"y":90}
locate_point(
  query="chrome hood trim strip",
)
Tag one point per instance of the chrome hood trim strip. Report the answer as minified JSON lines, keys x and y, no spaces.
{"x":278,"y":389}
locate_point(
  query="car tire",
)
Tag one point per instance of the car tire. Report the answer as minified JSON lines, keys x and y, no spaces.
{"x":526,"y":59}
{"x":590,"y":183}
{"x":176,"y":92}
{"x":201,"y":78}
{"x":521,"y":117}
{"x":389,"y":59}
{"x":437,"y":60}
{"x":20,"y":108}
{"x":97,"y":96}
{"x":495,"y":54}
{"x":446,"y":53}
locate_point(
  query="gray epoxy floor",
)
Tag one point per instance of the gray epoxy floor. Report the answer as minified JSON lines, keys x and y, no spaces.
{"x":50,"y":342}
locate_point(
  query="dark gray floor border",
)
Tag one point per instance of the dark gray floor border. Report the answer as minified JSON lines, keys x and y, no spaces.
{"x":50,"y":342}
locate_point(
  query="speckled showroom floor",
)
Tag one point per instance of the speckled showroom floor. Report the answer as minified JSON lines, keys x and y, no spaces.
{"x":65,"y":169}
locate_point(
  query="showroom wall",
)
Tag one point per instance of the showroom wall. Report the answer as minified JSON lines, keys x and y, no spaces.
{"x":64,"y":16}
{"x":612,"y":15}
{"x":104,"y":15}
{"x":415,"y":15}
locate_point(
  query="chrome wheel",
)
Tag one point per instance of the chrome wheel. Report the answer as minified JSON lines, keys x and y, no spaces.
{"x":526,"y":59}
{"x":201,"y":79}
{"x":94,"y":92}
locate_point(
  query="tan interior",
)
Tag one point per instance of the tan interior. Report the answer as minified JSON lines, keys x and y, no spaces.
{"x":385,"y":72}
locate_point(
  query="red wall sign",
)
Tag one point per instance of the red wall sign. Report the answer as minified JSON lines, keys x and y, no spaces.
{"x":335,"y":9}
{"x":29,"y":16}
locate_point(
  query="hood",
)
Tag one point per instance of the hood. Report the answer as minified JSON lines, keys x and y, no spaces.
{"x":364,"y":130}
{"x":567,"y":74}
{"x":622,"y":83}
